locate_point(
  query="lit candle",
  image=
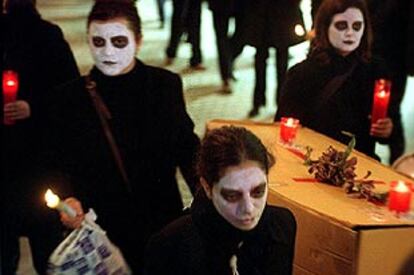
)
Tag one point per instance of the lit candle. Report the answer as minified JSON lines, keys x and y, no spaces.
{"x":10,"y":88}
{"x":53,"y":201}
{"x":399,"y":197}
{"x":288,"y":129}
{"x":382,"y":93}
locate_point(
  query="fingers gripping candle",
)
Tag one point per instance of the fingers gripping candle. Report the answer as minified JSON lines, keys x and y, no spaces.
{"x":53,"y":201}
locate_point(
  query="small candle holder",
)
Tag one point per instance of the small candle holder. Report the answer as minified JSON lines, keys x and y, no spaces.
{"x":399,"y":199}
{"x":288,"y":130}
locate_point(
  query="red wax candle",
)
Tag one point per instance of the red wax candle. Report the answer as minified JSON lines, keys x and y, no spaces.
{"x":10,"y":87}
{"x":288,"y":129}
{"x":400,"y":196}
{"x":382,"y":93}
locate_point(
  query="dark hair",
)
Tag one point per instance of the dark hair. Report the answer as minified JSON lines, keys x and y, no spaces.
{"x":230,"y":146}
{"x":321,"y":44}
{"x":105,"y":10}
{"x":21,"y":7}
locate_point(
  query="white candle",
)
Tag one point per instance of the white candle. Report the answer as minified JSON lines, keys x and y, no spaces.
{"x":53,"y":201}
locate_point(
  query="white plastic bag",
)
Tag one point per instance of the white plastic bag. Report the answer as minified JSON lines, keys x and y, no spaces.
{"x":87,"y":250}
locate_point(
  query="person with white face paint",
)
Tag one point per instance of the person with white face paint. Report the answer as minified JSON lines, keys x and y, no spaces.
{"x":332,"y":90}
{"x":230,"y":229}
{"x":146,"y":113}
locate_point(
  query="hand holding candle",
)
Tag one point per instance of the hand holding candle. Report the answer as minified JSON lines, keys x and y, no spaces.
{"x":381,"y":99}
{"x":399,"y":197}
{"x":288,"y":129}
{"x":10,"y":88}
{"x":53,"y":201}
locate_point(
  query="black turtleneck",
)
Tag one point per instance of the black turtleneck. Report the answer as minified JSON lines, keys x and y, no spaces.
{"x":204,"y":242}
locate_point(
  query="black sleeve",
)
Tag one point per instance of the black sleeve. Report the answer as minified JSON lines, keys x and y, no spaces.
{"x":185,"y":141}
{"x":292,"y":99}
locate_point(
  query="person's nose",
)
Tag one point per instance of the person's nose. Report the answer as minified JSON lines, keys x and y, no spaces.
{"x":349,"y":31}
{"x":247,"y":205}
{"x":109,"y":49}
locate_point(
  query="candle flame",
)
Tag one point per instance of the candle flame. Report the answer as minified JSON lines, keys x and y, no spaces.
{"x":402,"y":187}
{"x":290,"y":122}
{"x":11,"y":83}
{"x":382,"y":93}
{"x":52,"y":200}
{"x":299,"y":30}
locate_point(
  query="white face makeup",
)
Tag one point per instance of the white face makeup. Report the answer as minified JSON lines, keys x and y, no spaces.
{"x":240,"y":195}
{"x":346,"y":30}
{"x":113,"y":46}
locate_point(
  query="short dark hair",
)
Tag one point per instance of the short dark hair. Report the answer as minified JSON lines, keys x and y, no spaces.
{"x":326,"y":12}
{"x":104,"y":10}
{"x":230,"y":146}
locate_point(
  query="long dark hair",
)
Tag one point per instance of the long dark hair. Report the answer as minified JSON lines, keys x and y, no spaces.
{"x":321,"y":45}
{"x":230,"y":146}
{"x":104,"y":10}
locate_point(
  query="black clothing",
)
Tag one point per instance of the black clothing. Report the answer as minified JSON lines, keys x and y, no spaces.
{"x":203,"y":242}
{"x":186,"y":18}
{"x":228,"y":48}
{"x":37,"y":51}
{"x":348,"y":109}
{"x":155,"y":136}
{"x":390,"y":20}
{"x":271,"y":23}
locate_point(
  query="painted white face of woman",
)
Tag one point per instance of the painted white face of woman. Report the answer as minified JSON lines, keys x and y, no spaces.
{"x":113,"y":46}
{"x":346,"y":30}
{"x":240,"y":195}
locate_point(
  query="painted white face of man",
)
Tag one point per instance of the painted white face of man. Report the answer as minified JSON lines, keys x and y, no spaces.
{"x":240,"y":195}
{"x":113,"y":46}
{"x":346,"y":30}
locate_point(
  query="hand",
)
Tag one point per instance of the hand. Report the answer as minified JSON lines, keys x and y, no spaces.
{"x":19,"y":109}
{"x":75,"y":222}
{"x":382,"y":128}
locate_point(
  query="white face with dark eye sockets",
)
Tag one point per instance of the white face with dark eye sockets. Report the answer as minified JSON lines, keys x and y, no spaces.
{"x":113,"y":46}
{"x":240,"y":195}
{"x":346,"y":30}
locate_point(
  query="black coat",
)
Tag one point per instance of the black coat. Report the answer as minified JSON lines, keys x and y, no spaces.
{"x":346,"y":110}
{"x":203,"y":242}
{"x":155,"y":136}
{"x":38,"y":52}
{"x":271,"y":23}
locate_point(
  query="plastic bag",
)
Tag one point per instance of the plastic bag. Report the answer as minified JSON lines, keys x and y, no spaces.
{"x":87,"y":250}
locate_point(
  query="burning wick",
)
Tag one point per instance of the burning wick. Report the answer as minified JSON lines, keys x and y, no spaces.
{"x":53,"y":201}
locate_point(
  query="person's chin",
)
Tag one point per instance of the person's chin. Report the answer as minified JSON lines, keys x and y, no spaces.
{"x":246,"y":224}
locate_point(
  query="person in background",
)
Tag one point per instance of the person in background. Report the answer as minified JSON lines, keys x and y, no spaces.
{"x":186,"y":18}
{"x":37,"y":51}
{"x":161,"y":12}
{"x":390,"y":21}
{"x":271,"y":24}
{"x":230,"y":229}
{"x":154,"y":134}
{"x":228,"y":47}
{"x":332,"y":90}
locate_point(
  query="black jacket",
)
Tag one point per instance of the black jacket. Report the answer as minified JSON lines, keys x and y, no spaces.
{"x":348,"y":109}
{"x":203,"y":242}
{"x":155,"y":136}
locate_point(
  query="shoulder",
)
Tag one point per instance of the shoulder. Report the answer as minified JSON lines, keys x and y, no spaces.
{"x":281,"y":222}
{"x":161,"y":76}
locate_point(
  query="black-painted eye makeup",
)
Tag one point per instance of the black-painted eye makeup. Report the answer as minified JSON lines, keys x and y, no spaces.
{"x":341,"y":25}
{"x":98,"y":41}
{"x":120,"y":41}
{"x":258,"y":191}
{"x":231,"y":195}
{"x":357,"y":25}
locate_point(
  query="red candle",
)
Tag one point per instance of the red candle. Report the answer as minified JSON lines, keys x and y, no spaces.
{"x":382,"y":93}
{"x":10,"y":87}
{"x":288,"y":129}
{"x":400,"y":196}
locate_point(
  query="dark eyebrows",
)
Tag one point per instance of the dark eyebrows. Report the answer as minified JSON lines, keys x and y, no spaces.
{"x":230,"y":191}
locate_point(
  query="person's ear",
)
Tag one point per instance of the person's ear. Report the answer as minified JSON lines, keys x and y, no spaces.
{"x":206,"y":187}
{"x":138,"y":42}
